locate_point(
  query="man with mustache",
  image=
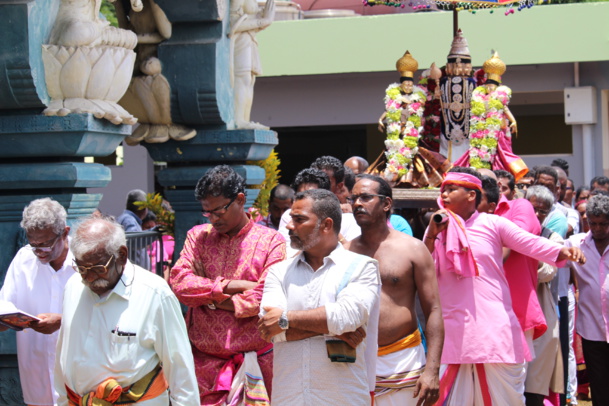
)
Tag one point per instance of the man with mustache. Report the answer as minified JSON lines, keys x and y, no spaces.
{"x":404,"y":375}
{"x":485,"y":350}
{"x":593,"y":286}
{"x":220,"y":276}
{"x":320,"y":309}
{"x":123,"y":338}
{"x":34,"y":283}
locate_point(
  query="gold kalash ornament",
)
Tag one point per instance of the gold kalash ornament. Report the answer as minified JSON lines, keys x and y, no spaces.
{"x":494,"y":68}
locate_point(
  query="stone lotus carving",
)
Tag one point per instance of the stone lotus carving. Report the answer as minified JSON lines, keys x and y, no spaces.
{"x":88,"y":64}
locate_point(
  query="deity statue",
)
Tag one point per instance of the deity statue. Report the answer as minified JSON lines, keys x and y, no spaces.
{"x":492,"y":125}
{"x":456,"y":91}
{"x":245,"y":21}
{"x":404,"y":163}
{"x":88,"y":63}
{"x":149,"y":95}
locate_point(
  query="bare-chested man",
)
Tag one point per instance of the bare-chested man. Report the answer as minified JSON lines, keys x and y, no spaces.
{"x":405,"y":376}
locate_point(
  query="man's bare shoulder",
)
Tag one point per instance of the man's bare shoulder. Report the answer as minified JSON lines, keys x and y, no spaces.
{"x":403,"y":240}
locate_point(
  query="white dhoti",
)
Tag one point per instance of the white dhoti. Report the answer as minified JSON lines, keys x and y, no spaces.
{"x":397,"y":374}
{"x":482,"y":384}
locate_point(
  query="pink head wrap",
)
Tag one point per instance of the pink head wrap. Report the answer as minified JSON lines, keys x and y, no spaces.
{"x":462,"y":179}
{"x":453,"y":254}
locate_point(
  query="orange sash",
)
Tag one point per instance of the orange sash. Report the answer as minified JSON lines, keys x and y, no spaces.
{"x":410,"y":341}
{"x":109,"y":392}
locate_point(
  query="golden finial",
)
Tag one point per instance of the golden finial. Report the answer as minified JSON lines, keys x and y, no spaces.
{"x":494,"y":68}
{"x":434,"y":72}
{"x":407,"y":65}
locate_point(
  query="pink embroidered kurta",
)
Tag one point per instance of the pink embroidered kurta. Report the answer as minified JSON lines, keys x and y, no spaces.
{"x":520,"y":270}
{"x":208,"y":262}
{"x":479,"y":321}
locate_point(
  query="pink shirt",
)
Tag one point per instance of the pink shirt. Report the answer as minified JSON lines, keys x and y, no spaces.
{"x":520,"y":270}
{"x":208,"y":262}
{"x":479,"y":322}
{"x":593,"y":282}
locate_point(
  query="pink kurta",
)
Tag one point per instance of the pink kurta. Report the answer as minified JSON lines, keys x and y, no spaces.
{"x":520,"y":270}
{"x":479,"y":322}
{"x":208,"y":262}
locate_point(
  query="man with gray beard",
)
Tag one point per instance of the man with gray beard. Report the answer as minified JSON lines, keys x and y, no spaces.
{"x":320,"y":309}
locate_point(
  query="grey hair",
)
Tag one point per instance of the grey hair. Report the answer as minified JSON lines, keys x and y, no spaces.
{"x":541,"y":194}
{"x":97,"y":234}
{"x":598,"y":205}
{"x":44,"y":213}
{"x":135,"y":195}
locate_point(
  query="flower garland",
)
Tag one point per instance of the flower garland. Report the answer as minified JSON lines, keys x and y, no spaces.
{"x":402,"y":138}
{"x":433,"y":126}
{"x":487,"y":124}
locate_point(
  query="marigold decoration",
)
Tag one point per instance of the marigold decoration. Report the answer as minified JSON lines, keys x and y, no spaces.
{"x":271,"y":179}
{"x":164,"y":218}
{"x":487,"y":124}
{"x":402,"y":138}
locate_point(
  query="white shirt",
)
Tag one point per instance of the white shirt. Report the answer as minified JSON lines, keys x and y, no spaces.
{"x":302,"y":372}
{"x":593,"y":282}
{"x":36,"y":288}
{"x":348,"y":229}
{"x":90,"y":350}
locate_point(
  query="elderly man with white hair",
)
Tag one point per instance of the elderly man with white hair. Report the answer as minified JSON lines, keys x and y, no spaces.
{"x":123,"y":338}
{"x":34,"y":283}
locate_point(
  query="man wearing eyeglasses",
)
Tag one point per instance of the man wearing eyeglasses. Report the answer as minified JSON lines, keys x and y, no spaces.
{"x":123,"y":339}
{"x":220,"y":277}
{"x":404,"y":374}
{"x":34,"y":284}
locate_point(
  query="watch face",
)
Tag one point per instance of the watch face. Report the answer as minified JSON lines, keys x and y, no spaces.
{"x":283,"y":322}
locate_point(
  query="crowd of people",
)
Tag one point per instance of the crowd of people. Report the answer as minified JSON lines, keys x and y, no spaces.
{"x":328,"y":300}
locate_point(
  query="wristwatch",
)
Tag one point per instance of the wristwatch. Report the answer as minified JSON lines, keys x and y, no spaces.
{"x":283,"y":321}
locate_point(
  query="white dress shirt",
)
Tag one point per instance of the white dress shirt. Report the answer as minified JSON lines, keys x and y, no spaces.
{"x":593,"y":283}
{"x":35,"y":288}
{"x":302,"y":372}
{"x":124,"y":335}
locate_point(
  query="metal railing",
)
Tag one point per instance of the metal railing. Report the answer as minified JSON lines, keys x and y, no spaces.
{"x":146,"y":250}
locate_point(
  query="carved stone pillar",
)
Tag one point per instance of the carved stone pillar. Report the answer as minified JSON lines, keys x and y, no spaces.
{"x":197,"y":64}
{"x":40,"y":156}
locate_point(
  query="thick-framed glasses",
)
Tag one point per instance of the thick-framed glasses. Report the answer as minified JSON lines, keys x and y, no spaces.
{"x":522,"y":186}
{"x":541,"y":211}
{"x":219,"y":211}
{"x":364,"y":197}
{"x":45,"y":247}
{"x":97,"y":269}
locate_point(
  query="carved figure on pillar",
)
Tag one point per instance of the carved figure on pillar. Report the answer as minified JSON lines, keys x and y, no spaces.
{"x":149,"y":95}
{"x":404,"y":163}
{"x":246,"y":20}
{"x":456,"y":91}
{"x":88,"y":64}
{"x":492,"y":125}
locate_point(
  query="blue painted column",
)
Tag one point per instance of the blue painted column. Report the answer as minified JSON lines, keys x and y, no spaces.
{"x":39,"y":156}
{"x":196,"y":64}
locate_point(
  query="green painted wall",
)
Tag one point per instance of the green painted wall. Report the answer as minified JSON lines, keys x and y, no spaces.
{"x":540,"y":35}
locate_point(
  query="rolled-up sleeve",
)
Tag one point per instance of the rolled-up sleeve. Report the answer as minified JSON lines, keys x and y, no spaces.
{"x":355,"y":302}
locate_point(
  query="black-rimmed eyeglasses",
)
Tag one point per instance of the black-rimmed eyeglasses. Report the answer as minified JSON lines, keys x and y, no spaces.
{"x":364,"y":197}
{"x":219,"y":211}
